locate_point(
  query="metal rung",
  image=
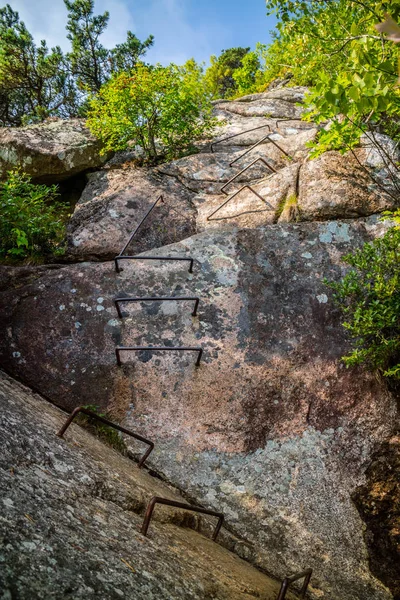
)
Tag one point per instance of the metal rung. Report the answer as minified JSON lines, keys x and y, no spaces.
{"x":120,"y":349}
{"x":195,"y":299}
{"x":271,"y":168}
{"x":176,"y":258}
{"x":156,"y":500}
{"x":159,"y":199}
{"x":230,"y":137}
{"x":289,"y":580}
{"x":231,"y":197}
{"x":267,"y":137}
{"x":82,"y":409}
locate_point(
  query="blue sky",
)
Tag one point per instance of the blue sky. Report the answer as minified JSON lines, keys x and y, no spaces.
{"x":182,"y":28}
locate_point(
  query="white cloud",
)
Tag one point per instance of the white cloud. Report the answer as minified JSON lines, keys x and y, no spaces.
{"x":47,"y":19}
{"x":176,"y":39}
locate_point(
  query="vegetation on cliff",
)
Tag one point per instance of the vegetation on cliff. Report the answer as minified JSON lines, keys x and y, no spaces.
{"x":369,"y":297}
{"x":32,"y":220}
{"x":163,"y":110}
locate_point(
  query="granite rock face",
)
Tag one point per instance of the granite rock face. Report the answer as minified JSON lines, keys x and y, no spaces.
{"x":50,"y":152}
{"x":71,"y":512}
{"x":112,"y":206}
{"x":271,"y":428}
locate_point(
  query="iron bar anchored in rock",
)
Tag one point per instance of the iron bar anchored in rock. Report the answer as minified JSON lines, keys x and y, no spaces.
{"x":82,"y":409}
{"x":156,"y":500}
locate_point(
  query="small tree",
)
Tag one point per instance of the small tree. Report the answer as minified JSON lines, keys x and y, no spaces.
{"x":164,"y":110}
{"x":34,"y":81}
{"x":219,"y":78}
{"x":91,"y":63}
{"x":369,"y":296}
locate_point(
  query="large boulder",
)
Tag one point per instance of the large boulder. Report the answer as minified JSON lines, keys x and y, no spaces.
{"x":71,"y":512}
{"x":51,"y":151}
{"x":271,"y":428}
{"x":112,"y":206}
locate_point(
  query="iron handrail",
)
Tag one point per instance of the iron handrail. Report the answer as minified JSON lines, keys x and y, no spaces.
{"x":289,"y":580}
{"x":196,"y":300}
{"x":82,"y":409}
{"x":120,"y":349}
{"x":270,"y":167}
{"x":230,"y":137}
{"x":157,"y":500}
{"x":231,"y":197}
{"x":267,"y":137}
{"x":160,"y":198}
{"x":173,"y":258}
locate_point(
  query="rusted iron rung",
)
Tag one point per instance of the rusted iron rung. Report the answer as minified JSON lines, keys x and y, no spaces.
{"x":120,"y":349}
{"x":151,"y":299}
{"x":267,"y":137}
{"x":231,"y":197}
{"x":156,"y":500}
{"x":230,"y":137}
{"x":176,"y":258}
{"x":90,"y":413}
{"x":159,"y":199}
{"x":270,"y":167}
{"x":289,"y":580}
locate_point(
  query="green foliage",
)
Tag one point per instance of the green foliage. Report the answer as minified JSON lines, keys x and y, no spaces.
{"x":91,"y":63}
{"x":369,"y":296}
{"x":249,"y":76}
{"x":163,"y":110}
{"x":107,"y":434}
{"x":219,"y":79}
{"x":31,"y":220}
{"x":334,"y":47}
{"x":34,"y":81}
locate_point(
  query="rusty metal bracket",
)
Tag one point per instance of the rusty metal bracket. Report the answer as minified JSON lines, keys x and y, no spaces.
{"x":195,"y":299}
{"x":122,"y":256}
{"x":120,"y":349}
{"x":82,"y":409}
{"x":176,"y":258}
{"x":230,"y":137}
{"x":270,"y":167}
{"x":159,"y":199}
{"x":231,"y":197}
{"x":289,"y":580}
{"x":156,"y":500}
{"x":267,"y":137}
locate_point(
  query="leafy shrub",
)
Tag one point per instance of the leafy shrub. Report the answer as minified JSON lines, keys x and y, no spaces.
{"x":32,"y":221}
{"x":163,"y":110}
{"x":369,"y":296}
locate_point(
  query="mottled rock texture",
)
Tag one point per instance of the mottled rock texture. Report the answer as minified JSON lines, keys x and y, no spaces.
{"x":378,"y":502}
{"x":113,"y":204}
{"x":70,"y":518}
{"x":271,"y":427}
{"x":50,"y":152}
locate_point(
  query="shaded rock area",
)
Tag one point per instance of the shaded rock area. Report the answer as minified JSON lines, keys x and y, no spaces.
{"x":379,"y":505}
{"x":271,"y":427}
{"x":112,"y":206}
{"x":50,"y":152}
{"x":71,"y":512}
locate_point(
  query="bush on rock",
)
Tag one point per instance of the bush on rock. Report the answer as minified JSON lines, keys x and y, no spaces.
{"x":32,"y":220}
{"x":369,"y":296}
{"x":163,"y":110}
